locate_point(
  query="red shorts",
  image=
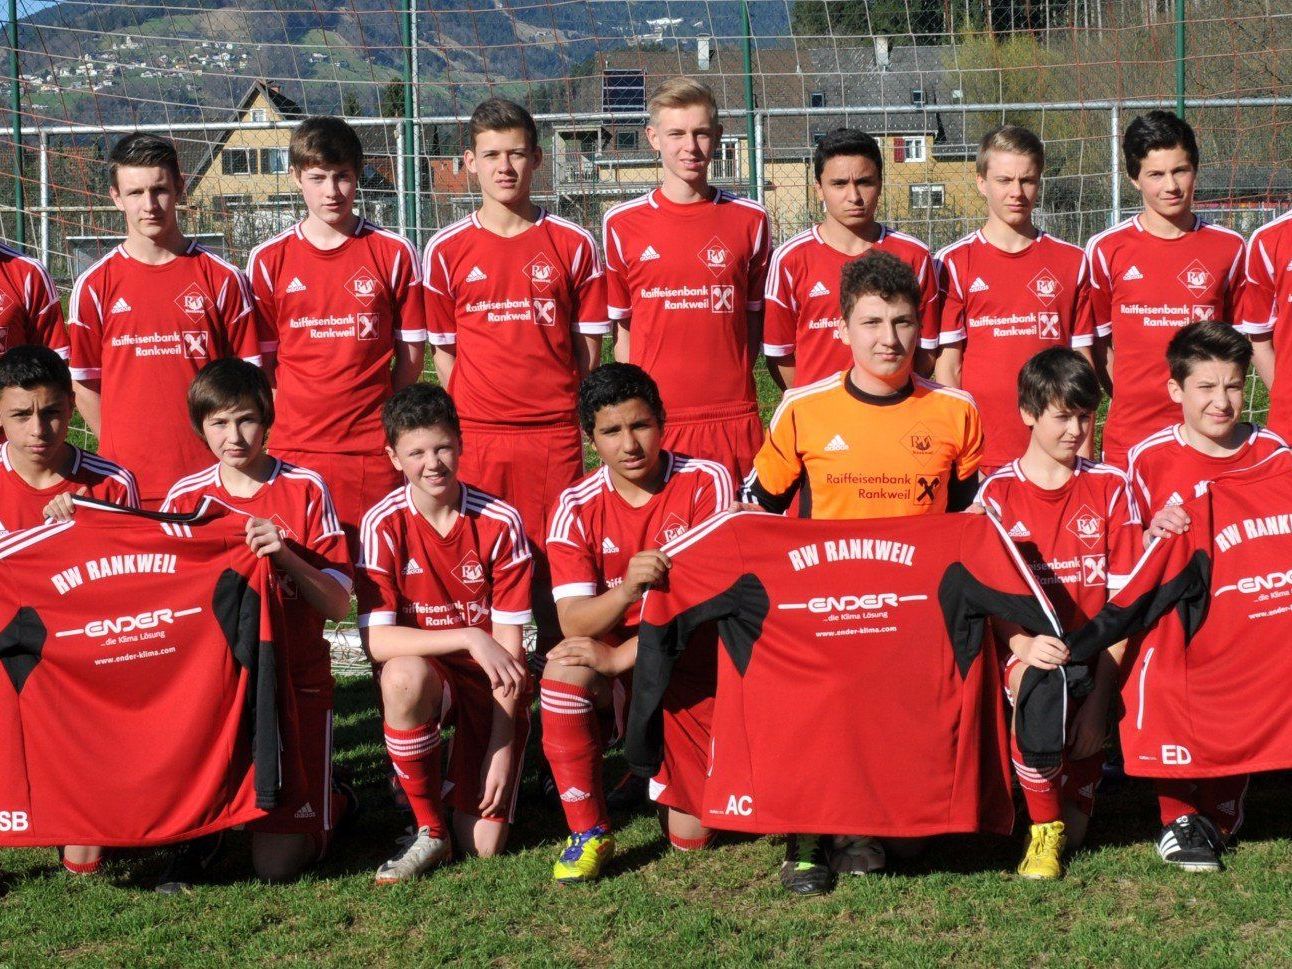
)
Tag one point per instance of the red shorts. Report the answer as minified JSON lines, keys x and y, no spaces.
{"x":688,"y":720}
{"x":308,"y":804}
{"x":468,"y":707}
{"x":528,"y":467}
{"x":730,"y":434}
{"x":356,"y":481}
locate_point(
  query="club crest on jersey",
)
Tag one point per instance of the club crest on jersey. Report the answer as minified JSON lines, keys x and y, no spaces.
{"x":197,"y":344}
{"x":542,"y":272}
{"x":673,"y":527}
{"x":1087,"y":526}
{"x":363,"y":286}
{"x":192,"y":301}
{"x":470,"y":572}
{"x":1196,"y":278}
{"x":1094,"y":570}
{"x":1045,"y":286}
{"x":1202,"y":312}
{"x":1047,"y":326}
{"x":545,"y":312}
{"x":722,"y":298}
{"x":919,"y":441}
{"x":716,"y":256}
{"x":366,"y":326}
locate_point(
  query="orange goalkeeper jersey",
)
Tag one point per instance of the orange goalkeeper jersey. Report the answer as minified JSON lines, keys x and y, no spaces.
{"x":849,"y":454}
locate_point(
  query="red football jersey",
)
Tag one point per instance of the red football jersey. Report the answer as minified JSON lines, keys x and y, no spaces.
{"x":683,"y":279}
{"x":1005,"y":307}
{"x":29,"y":308}
{"x":331,"y":319}
{"x":837,"y":637}
{"x":145,"y":331}
{"x":1080,"y":540}
{"x":410,"y":575}
{"x":297,"y":501}
{"x":137,"y":680}
{"x":1142,"y":290}
{"x":22,"y":506}
{"x":1209,"y":618}
{"x":802,"y":300}
{"x":1165,"y":470}
{"x":1267,"y":308}
{"x":595,"y":533}
{"x":514,"y":306}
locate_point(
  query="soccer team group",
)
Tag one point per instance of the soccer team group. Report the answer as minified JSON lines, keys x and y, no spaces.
{"x":913,"y":384}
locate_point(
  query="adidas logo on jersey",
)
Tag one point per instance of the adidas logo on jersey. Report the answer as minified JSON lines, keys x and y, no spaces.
{"x":412,"y":568}
{"x":608,"y":547}
{"x":1132,"y":274}
{"x":648,"y":254}
{"x":819,"y":290}
{"x":296,"y":286}
{"x":573,"y":795}
{"x":476,"y":275}
{"x":1019,"y":531}
{"x":307,"y":809}
{"x":979,"y":286}
{"x":121,"y":306}
{"x":837,"y":443}
{"x":1175,"y":499}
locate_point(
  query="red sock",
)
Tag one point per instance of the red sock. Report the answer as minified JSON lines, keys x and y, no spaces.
{"x":83,"y":867}
{"x":690,"y":844}
{"x":1175,"y":798}
{"x":1221,"y":799}
{"x":1042,"y":791}
{"x":572,"y":745}
{"x":416,"y":756}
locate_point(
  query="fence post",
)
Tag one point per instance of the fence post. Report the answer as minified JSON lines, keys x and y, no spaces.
{"x":15,"y":117}
{"x":755,"y":187}
{"x":44,"y":200}
{"x":1114,"y":162}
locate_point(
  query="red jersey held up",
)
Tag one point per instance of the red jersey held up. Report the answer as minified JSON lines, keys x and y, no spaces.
{"x":683,"y":279}
{"x":137,"y":679}
{"x":476,"y":575}
{"x":29,"y":308}
{"x":595,"y":533}
{"x":331,"y":318}
{"x":22,"y":506}
{"x":837,"y":638}
{"x":144,"y":332}
{"x":1165,"y":470}
{"x":513,"y":308}
{"x":297,"y":501}
{"x":802,"y":300}
{"x":1080,"y":540}
{"x":1005,"y":307}
{"x":1209,"y":616}
{"x":1142,"y":290}
{"x":1267,"y":308}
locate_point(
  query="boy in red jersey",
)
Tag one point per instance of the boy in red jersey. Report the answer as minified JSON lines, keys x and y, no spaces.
{"x":338,"y":298}
{"x":1208,"y":364}
{"x":30,"y":312}
{"x":604,"y":547}
{"x":37,"y":464}
{"x":685,"y":271}
{"x":1266,"y":313}
{"x":1009,"y":290}
{"x":1153,"y":274}
{"x":1071,"y":518}
{"x":290,"y":519}
{"x":147,"y":317}
{"x":516,"y":293}
{"x":444,"y":589}
{"x":801,"y":319}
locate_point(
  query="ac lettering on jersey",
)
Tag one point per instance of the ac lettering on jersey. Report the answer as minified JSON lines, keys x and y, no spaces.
{"x":740,"y":804}
{"x":1175,"y":754}
{"x":14,"y":821}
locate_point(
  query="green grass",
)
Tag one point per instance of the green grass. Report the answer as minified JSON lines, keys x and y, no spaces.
{"x":956,"y":905}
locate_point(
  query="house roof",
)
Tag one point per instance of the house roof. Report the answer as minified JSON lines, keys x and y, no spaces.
{"x":196,"y":155}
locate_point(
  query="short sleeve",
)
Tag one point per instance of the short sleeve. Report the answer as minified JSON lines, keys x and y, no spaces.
{"x":780,"y":310}
{"x":512,"y":573}
{"x":1100,"y":295}
{"x":778,"y":465}
{"x":85,"y":327}
{"x":971,"y":444}
{"x":618,"y":300}
{"x":324,"y":541}
{"x":1083,"y":324}
{"x":438,"y":304}
{"x":376,"y":576}
{"x":122,"y":489}
{"x":591,"y":315}
{"x":951,"y":328}
{"x":575,"y":573}
{"x":1235,"y":285}
{"x":1124,"y":536}
{"x":758,"y":263}
{"x":1258,"y":312}
{"x":930,"y":305}
{"x":714,"y":492}
{"x":262,"y":294}
{"x":238,"y":318}
{"x":408,"y":295}
{"x":46,"y":312}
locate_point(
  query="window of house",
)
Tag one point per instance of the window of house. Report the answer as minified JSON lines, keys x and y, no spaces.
{"x":817,"y":99}
{"x":240,"y":161}
{"x":273,"y":161}
{"x":623,"y":91}
{"x":259,"y":115}
{"x":625,"y":140}
{"x":928,"y":196}
{"x":917,"y":97}
{"x":912,"y":149}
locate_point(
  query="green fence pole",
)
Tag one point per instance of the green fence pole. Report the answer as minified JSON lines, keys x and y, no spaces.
{"x":755,"y":189}
{"x":1179,"y":57}
{"x":15,"y":116}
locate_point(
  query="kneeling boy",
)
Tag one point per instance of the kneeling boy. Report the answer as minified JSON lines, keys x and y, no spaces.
{"x":604,"y":549}
{"x":1071,"y":519}
{"x":290,"y":520}
{"x":444,"y":590}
